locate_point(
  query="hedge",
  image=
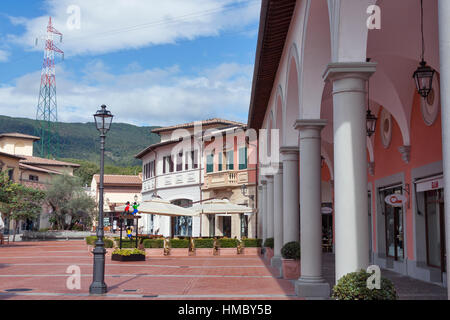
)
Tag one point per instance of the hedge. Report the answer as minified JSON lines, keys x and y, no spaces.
{"x":291,"y":250}
{"x":90,"y":240}
{"x":126,"y":243}
{"x":268,"y":243}
{"x":228,"y":243}
{"x":252,"y":243}
{"x":204,"y":243}
{"x":179,"y":243}
{"x":153,"y":243}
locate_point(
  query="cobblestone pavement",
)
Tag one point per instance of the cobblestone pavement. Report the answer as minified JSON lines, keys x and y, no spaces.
{"x":407,"y":288}
{"x":38,"y":270}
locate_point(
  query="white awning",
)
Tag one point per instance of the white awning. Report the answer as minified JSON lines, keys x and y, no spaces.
{"x":216,"y":206}
{"x":431,"y":183}
{"x":160,"y":207}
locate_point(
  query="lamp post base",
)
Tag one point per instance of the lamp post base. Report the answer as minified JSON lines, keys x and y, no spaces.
{"x":98,"y":288}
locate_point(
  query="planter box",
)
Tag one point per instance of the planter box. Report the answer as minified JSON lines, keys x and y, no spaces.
{"x":204,"y":252}
{"x":180,"y":252}
{"x":154,"y":252}
{"x":131,"y":257}
{"x":228,"y":251}
{"x":269,"y":254}
{"x":291,"y":268}
{"x":252,"y":251}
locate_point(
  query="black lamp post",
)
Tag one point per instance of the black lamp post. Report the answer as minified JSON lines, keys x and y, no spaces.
{"x":423,"y":76}
{"x":103,"y":119}
{"x":371,"y":119}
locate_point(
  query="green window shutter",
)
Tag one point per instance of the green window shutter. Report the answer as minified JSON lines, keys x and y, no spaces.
{"x":210,"y":163}
{"x":230,"y":160}
{"x":243,"y":158}
{"x":220,"y":161}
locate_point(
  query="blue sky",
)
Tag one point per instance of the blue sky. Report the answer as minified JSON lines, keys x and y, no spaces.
{"x":152,"y":62}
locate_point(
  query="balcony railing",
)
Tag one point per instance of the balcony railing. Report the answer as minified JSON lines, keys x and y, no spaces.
{"x":224,"y":179}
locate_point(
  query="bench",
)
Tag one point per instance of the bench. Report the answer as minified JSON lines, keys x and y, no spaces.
{"x":4,"y":238}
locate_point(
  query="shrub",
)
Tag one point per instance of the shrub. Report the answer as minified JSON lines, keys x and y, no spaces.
{"x":126,"y":243}
{"x":291,"y":250}
{"x":179,"y":243}
{"x":353,"y":286}
{"x":153,"y":243}
{"x":204,"y":243}
{"x":252,"y":243}
{"x":127,"y":252}
{"x":268,"y":243}
{"x":228,"y":243}
{"x":90,"y":240}
{"x":44,"y":230}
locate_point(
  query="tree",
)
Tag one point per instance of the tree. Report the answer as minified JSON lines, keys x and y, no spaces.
{"x":19,"y":202}
{"x":68,"y":200}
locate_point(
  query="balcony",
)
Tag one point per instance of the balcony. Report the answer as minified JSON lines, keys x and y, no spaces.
{"x":225,"y":179}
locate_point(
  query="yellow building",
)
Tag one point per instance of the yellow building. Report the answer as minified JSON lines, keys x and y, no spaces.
{"x":16,"y":157}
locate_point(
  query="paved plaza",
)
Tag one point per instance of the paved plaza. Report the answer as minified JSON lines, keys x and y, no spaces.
{"x":38,"y":270}
{"x":41,"y":267}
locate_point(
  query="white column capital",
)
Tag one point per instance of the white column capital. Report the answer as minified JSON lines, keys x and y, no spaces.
{"x":289,"y":153}
{"x":310,"y":128}
{"x":341,"y":70}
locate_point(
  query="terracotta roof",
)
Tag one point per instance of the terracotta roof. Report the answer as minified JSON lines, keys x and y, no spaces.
{"x":48,"y":162}
{"x":119,"y":179}
{"x":274,"y":24}
{"x":11,"y":155}
{"x":204,"y":123}
{"x":38,"y":169}
{"x":19,"y":135}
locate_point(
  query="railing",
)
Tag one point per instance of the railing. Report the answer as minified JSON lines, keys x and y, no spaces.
{"x":225,"y":179}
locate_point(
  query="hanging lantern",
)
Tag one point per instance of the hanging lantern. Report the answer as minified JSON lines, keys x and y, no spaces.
{"x":423,"y":77}
{"x":371,"y":123}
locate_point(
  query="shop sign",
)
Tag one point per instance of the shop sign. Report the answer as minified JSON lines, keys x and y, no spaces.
{"x":395,"y":199}
{"x":326,"y":210}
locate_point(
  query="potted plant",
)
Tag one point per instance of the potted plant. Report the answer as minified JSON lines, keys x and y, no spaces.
{"x":154,"y":247}
{"x":227,"y":246}
{"x":353,"y":286}
{"x":268,"y":246}
{"x":128,"y":255}
{"x":290,"y":261}
{"x":251,"y":247}
{"x":179,"y":247}
{"x":204,"y":246}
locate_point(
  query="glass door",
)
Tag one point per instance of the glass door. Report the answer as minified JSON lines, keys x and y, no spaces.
{"x":393,"y":226}
{"x":226,"y":225}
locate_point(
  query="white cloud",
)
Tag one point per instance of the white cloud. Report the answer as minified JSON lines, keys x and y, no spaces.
{"x":4,"y":56}
{"x":107,"y":26}
{"x":143,"y":97}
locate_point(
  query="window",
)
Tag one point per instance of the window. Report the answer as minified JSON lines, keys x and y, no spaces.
{"x":230,"y":160}
{"x":194,"y":157}
{"x":11,"y":174}
{"x":186,"y":161}
{"x":220,"y":155}
{"x":33,"y":178}
{"x":210,"y":163}
{"x":180,"y":161}
{"x":167,"y":164}
{"x":243,"y":158}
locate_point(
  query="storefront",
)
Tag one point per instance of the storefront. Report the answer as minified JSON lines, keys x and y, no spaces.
{"x":430,"y":205}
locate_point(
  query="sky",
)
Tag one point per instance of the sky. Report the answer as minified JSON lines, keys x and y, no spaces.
{"x":152,"y":62}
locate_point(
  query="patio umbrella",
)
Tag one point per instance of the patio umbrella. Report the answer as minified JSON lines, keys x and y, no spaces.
{"x":217,"y":206}
{"x":161,"y":207}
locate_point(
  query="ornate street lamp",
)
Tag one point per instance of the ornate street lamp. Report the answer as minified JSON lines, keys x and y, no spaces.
{"x":423,"y":76}
{"x":244,"y":191}
{"x":103,"y":119}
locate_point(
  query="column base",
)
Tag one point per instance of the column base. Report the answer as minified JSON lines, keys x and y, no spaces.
{"x":312,"y":288}
{"x":276,"y":263}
